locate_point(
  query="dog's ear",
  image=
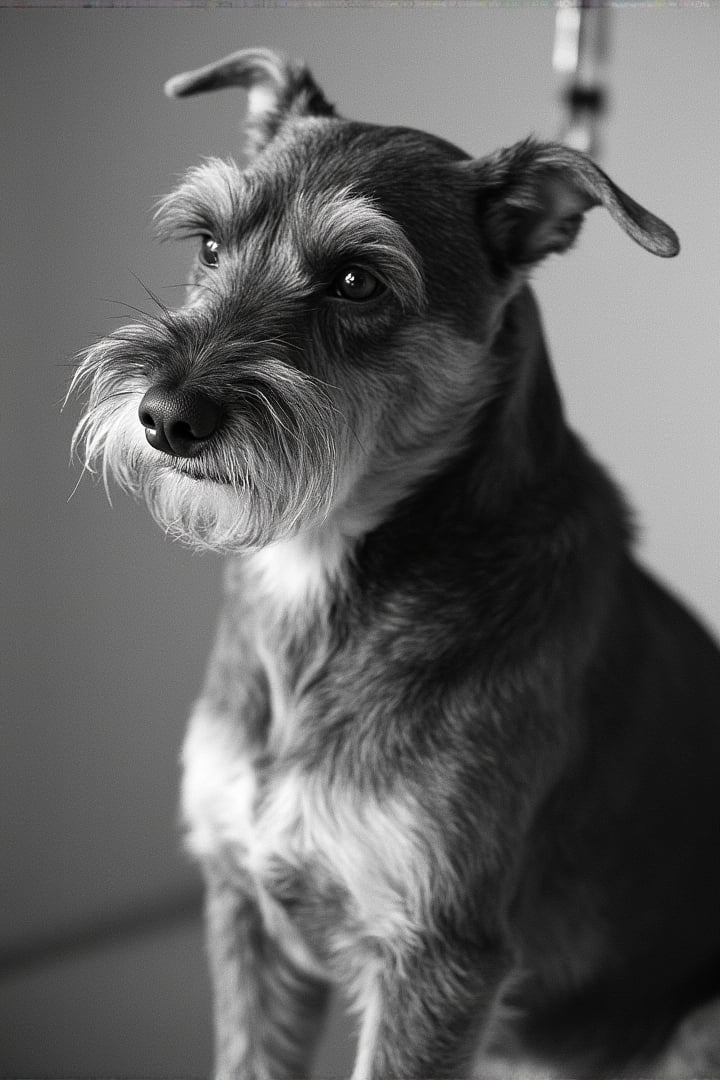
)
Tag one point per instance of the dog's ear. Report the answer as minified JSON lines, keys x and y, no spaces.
{"x":277,"y":89}
{"x":532,"y":197}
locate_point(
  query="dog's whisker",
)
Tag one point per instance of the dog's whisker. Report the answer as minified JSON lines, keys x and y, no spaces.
{"x":77,"y":483}
{"x":164,"y":309}
{"x":272,"y":411}
{"x":144,"y":315}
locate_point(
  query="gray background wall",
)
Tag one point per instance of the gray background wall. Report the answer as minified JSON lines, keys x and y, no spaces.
{"x":105,"y":623}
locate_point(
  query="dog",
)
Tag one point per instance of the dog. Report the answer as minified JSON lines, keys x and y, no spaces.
{"x":456,"y":751}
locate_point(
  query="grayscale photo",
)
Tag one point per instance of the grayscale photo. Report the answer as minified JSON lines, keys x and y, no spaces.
{"x":361,"y":518}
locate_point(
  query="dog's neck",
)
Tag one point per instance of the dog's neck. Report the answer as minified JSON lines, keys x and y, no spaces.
{"x":293,"y":577}
{"x":522,"y":437}
{"x":518,"y":441}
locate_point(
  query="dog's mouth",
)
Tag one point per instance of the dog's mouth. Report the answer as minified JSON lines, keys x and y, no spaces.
{"x":205,"y":473}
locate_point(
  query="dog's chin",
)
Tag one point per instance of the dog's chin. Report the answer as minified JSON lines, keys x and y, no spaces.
{"x":206,"y":474}
{"x":202,"y":512}
{"x":214,"y":512}
{"x":259,"y":484}
{"x":206,"y":502}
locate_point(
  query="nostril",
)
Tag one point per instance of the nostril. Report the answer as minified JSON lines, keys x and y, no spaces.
{"x":179,"y":429}
{"x":147,"y":419}
{"x":180,"y":433}
{"x":178,"y":421}
{"x":199,"y":418}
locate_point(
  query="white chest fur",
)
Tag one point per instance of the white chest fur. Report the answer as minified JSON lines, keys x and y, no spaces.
{"x":378,"y":852}
{"x":376,"y":849}
{"x":295,"y":574}
{"x":287,"y":586}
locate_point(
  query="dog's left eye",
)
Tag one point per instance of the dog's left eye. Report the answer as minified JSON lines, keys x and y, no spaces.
{"x":354,"y":283}
{"x":209,"y":251}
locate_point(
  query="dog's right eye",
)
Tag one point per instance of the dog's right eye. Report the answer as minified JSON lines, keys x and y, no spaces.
{"x":357,"y":284}
{"x":209,"y":251}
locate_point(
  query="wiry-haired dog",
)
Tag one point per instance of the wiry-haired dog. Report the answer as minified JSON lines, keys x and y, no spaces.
{"x":456,"y":751}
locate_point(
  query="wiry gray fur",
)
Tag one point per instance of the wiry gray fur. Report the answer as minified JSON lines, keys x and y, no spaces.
{"x":455,"y":750}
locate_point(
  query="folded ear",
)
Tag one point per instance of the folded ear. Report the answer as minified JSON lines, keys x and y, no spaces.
{"x":532,"y":198}
{"x":277,"y":89}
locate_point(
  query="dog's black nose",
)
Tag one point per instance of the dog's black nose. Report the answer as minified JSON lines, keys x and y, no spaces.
{"x":178,"y":422}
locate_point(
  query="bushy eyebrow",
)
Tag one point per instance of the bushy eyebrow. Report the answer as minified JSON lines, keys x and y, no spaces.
{"x":346,"y":226}
{"x":208,"y":200}
{"x":328,"y":229}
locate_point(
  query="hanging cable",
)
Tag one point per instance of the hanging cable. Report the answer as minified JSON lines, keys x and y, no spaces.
{"x":580,"y":54}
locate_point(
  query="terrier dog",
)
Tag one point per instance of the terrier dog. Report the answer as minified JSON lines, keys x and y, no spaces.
{"x":456,"y":751}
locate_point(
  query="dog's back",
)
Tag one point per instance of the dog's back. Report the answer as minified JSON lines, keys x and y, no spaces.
{"x":619,"y":909}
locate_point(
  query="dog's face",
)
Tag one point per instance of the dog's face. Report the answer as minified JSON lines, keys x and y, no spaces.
{"x":336,"y":343}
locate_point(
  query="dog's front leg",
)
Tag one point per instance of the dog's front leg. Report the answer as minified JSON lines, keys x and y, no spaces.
{"x":424,"y":1011}
{"x":268,"y":1009}
{"x":268,"y":996}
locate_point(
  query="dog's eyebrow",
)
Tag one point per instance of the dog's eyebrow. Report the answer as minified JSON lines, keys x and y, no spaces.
{"x":346,"y":226}
{"x":329,"y":229}
{"x":209,"y":198}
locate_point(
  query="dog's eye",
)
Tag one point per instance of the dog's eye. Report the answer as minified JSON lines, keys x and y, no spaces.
{"x":209,"y":251}
{"x":354,"y":283}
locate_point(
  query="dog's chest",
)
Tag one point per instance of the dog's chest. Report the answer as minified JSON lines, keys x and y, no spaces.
{"x":308,"y":832}
{"x":249,"y":795}
{"x":306,"y":840}
{"x":235,"y":812}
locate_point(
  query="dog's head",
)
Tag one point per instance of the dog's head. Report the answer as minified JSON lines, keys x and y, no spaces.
{"x":337,"y":341}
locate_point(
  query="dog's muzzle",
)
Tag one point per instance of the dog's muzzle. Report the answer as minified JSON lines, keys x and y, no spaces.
{"x":178,"y":421}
